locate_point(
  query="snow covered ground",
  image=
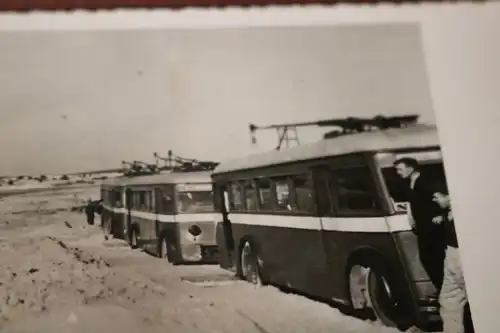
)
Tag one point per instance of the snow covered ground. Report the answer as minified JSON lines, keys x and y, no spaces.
{"x":59,"y":275}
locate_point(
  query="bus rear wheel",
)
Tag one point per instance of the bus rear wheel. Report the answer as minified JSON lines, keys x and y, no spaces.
{"x":250,"y":270}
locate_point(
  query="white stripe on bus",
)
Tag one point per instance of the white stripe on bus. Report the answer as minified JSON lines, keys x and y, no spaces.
{"x":346,"y":224}
{"x":115,"y":210}
{"x":180,"y":218}
{"x":200,"y":217}
{"x":143,"y":215}
{"x":165,"y":218}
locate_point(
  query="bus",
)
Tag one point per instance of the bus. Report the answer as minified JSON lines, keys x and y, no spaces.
{"x":170,"y":215}
{"x":330,"y":220}
{"x":114,"y":213}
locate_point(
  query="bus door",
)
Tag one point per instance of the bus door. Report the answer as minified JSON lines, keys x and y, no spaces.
{"x":224,"y":233}
{"x":157,"y":210}
{"x":228,"y":232}
{"x":322,"y":181}
{"x":151,"y":221}
{"x":128,"y":218}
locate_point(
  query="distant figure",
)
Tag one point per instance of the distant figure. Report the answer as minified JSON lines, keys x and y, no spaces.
{"x":98,"y":207}
{"x":90,"y":212}
{"x":423,"y":209}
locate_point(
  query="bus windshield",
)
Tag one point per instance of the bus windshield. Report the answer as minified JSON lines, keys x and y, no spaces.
{"x":195,"y":202}
{"x":433,"y":171}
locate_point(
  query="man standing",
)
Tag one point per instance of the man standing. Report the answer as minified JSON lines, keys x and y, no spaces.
{"x":453,"y":296}
{"x":90,"y":212}
{"x":422,"y":210}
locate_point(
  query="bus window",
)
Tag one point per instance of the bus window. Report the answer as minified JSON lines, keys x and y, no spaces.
{"x":117,"y":198}
{"x":282,"y":190}
{"x":250,"y":196}
{"x":303,"y":193}
{"x":166,"y":201}
{"x":355,"y":191}
{"x":135,"y":200}
{"x":142,"y":200}
{"x":195,"y":202}
{"x":236,"y":202}
{"x":148,"y":200}
{"x":264,"y":194}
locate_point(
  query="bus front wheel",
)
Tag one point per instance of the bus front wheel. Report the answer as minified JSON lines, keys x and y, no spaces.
{"x":373,"y":288}
{"x":250,"y":270}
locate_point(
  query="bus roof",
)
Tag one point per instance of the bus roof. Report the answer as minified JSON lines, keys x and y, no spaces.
{"x":416,"y":136}
{"x":170,"y":178}
{"x":113,"y":182}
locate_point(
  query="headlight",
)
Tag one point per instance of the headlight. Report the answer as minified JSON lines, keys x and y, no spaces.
{"x":194,"y":230}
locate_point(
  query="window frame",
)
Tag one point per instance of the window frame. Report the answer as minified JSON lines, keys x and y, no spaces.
{"x":241,"y":209}
{"x":374,"y":188}
{"x":255,"y":198}
{"x":275,"y":180}
{"x":272,"y":196}
{"x":312,"y":192}
{"x":160,"y":202}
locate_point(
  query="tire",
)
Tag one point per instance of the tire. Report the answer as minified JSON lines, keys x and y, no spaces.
{"x":384,"y":300}
{"x":374,"y":290}
{"x":249,"y":263}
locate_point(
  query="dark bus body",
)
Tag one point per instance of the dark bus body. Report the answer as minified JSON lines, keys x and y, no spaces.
{"x":329,"y":219}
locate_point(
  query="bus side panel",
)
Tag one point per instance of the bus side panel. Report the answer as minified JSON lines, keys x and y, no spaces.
{"x":424,"y":290}
{"x":385,"y":246}
{"x":290,"y":249}
{"x":347,"y":244}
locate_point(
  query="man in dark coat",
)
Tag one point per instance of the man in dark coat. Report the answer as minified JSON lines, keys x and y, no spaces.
{"x":423,"y":210}
{"x":98,"y":207}
{"x":90,"y":212}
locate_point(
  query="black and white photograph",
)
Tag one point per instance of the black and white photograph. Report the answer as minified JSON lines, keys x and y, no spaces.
{"x":243,"y":179}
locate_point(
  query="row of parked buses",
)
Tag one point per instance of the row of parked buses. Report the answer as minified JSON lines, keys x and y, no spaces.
{"x":169,"y":215}
{"x":327,"y":219}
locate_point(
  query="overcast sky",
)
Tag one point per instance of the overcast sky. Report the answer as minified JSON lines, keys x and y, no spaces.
{"x":76,"y":101}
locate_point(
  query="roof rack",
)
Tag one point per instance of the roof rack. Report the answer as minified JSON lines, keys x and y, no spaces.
{"x":175,"y":163}
{"x":352,"y":125}
{"x":287,"y":133}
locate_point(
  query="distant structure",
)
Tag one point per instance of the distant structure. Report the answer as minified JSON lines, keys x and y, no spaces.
{"x":138,"y":168}
{"x":170,"y":163}
{"x":176,"y":163}
{"x":288,"y":136}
